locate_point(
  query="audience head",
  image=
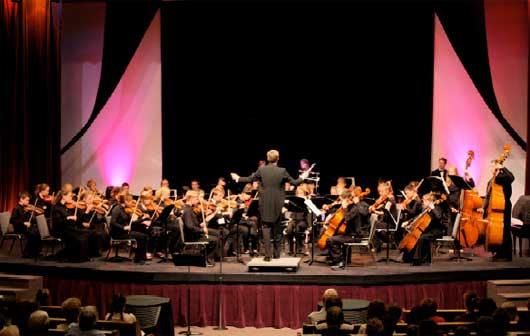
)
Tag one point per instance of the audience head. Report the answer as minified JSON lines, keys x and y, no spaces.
{"x":428,"y":328}
{"x":470,"y":301}
{"x":38,"y":321}
{"x":333,"y":301}
{"x":118,"y":304}
{"x":71,"y":307}
{"x":486,"y":307}
{"x":87,"y":318}
{"x":328,"y":293}
{"x":10,"y":331}
{"x":374,"y":327}
{"x":43,"y":297}
{"x":334,"y":317}
{"x":429,"y":307}
{"x":376,"y":308}
{"x":511,"y":309}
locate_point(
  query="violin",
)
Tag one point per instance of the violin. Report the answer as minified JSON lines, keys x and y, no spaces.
{"x":71,"y":205}
{"x":47,"y":198}
{"x":378,"y":203}
{"x":136,"y":211}
{"x":36,"y":210}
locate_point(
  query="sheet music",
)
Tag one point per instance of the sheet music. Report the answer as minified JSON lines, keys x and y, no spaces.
{"x":313,"y":207}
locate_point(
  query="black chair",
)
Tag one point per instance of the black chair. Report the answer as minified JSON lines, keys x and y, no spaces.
{"x":8,"y":234}
{"x":46,"y":238}
{"x":117,"y":243}
{"x":521,"y":229}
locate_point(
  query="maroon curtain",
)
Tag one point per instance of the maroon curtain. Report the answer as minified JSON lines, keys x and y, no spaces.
{"x":255,"y":305}
{"x":29,"y":98}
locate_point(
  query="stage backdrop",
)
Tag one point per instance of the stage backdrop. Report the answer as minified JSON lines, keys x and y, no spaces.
{"x":124,"y":143}
{"x":461,"y":119}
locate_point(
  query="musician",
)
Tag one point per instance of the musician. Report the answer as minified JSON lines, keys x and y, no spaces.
{"x":454,"y":199}
{"x":309,"y":185}
{"x":339,"y":187}
{"x":503,"y":177}
{"x":219,"y":216}
{"x":196,"y":186}
{"x":43,"y":199}
{"x":92,"y":187}
{"x":298,"y":223}
{"x":196,"y":229}
{"x":120,"y":228}
{"x":220,"y":186}
{"x":20,"y":219}
{"x":271,"y":200}
{"x":125,"y":188}
{"x":355,"y":212}
{"x":247,"y":226}
{"x":65,"y":224}
{"x":409,"y":208}
{"x":92,"y":220}
{"x":147,"y":222}
{"x":440,"y":171}
{"x":384,"y":209}
{"x":421,"y":252}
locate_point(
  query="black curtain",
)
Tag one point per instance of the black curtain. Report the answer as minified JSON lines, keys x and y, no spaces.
{"x":125,"y":25}
{"x":464,"y":23}
{"x":29,"y":98}
{"x":347,"y":85}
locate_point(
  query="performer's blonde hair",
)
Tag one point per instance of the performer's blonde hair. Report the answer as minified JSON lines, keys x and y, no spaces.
{"x":273,"y":156}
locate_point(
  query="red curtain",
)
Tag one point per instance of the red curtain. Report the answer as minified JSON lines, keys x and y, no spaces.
{"x":255,"y":305}
{"x":29,"y":97}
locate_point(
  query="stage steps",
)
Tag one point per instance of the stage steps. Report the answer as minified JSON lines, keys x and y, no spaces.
{"x":517,"y":291}
{"x":22,"y":287}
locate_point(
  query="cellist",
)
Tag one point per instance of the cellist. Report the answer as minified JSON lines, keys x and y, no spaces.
{"x":504,"y":178}
{"x":355,"y":212}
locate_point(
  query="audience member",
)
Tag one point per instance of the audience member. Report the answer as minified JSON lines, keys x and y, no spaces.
{"x":511,"y":309}
{"x":334,"y":324}
{"x":86,"y":325}
{"x":471,"y":303}
{"x":374,"y":327}
{"x":43,"y":297}
{"x":429,"y":308}
{"x":428,"y":327}
{"x":319,"y":316}
{"x":38,"y":323}
{"x":391,"y":319}
{"x":501,"y":317}
{"x":117,"y":310}
{"x":376,"y":309}
{"x":71,"y":307}
{"x":486,"y":307}
{"x":486,"y":326}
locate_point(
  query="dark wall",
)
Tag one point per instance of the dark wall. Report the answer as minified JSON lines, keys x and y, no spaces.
{"x":347,"y":85}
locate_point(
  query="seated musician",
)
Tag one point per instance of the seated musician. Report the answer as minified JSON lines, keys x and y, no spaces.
{"x":43,"y":199}
{"x":92,"y":219}
{"x":248,"y":223}
{"x":453,"y":204}
{"x":409,"y":208}
{"x":385,"y":210}
{"x":298,"y":224}
{"x":120,"y":228}
{"x":147,"y":223}
{"x":93,"y":188}
{"x":196,"y":186}
{"x":420,"y":253}
{"x":20,"y":219}
{"x":339,"y":187}
{"x":196,"y":229}
{"x":65,"y":224}
{"x":355,"y":210}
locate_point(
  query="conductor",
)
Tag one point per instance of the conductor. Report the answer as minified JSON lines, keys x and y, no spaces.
{"x":271,"y":199}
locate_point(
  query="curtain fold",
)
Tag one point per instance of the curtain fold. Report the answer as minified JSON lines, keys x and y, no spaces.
{"x":29,"y":98}
{"x":125,"y":25}
{"x":464,"y":24}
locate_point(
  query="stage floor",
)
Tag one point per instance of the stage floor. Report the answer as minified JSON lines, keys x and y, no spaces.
{"x":362,"y":271}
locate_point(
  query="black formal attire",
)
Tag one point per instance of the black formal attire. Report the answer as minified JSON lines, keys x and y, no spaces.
{"x":505,"y":179}
{"x":248,"y":227}
{"x":453,"y":201}
{"x":385,"y":221}
{"x":75,"y":238}
{"x":271,"y":200}
{"x":46,"y":206}
{"x":412,"y":209}
{"x":439,"y":173}
{"x":295,"y":231}
{"x":120,"y":219}
{"x":194,"y":232}
{"x":98,"y":236}
{"x":421,"y":252}
{"x":354,"y":216}
{"x":33,"y":244}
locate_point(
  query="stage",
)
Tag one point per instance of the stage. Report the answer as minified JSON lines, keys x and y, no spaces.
{"x":267,"y":299}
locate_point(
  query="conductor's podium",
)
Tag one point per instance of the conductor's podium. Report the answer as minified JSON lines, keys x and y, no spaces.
{"x":287,"y":264}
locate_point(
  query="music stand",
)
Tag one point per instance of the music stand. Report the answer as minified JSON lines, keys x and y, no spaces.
{"x":164,"y":216}
{"x":463,"y":185}
{"x":253,"y":210}
{"x":388,"y":214}
{"x":236,"y":217}
{"x":220,"y":309}
{"x":314,"y":205}
{"x":188,"y":332}
{"x":295,"y":204}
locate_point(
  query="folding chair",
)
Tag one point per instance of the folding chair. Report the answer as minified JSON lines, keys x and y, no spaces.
{"x":365,"y":242}
{"x":45,"y":236}
{"x":8,"y":233}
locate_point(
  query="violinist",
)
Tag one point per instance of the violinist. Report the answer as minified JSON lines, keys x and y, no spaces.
{"x":298,"y":223}
{"x":421,"y":252}
{"x":355,"y":213}
{"x":504,"y":178}
{"x":148,"y":223}
{"x":384,"y":210}
{"x":43,"y":199}
{"x":409,"y":208}
{"x":92,"y":220}
{"x":196,"y":186}
{"x":246,"y":223}
{"x":120,"y":228}
{"x":339,"y":187}
{"x":93,"y":188}
{"x":218,"y":214}
{"x":196,"y":229}
{"x":65,"y":225}
{"x":20,"y":219}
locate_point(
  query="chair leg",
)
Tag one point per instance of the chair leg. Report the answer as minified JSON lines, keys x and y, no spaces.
{"x":12,"y":245}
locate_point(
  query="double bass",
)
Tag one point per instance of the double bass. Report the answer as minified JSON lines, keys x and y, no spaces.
{"x":495,"y":210}
{"x":471,"y":227}
{"x":336,"y":223}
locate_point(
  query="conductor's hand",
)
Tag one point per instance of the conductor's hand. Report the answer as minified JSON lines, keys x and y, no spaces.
{"x":234,"y":176}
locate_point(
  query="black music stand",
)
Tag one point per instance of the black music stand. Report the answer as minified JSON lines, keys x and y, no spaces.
{"x":221,"y":326}
{"x":463,"y":185}
{"x":319,"y":203}
{"x":188,"y":332}
{"x":388,"y":218}
{"x":236,"y":217}
{"x":164,"y":216}
{"x":295,"y":204}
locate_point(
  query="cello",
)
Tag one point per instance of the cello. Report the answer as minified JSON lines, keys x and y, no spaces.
{"x":471,"y":228}
{"x":417,"y":227}
{"x":336,"y":223}
{"x":496,"y":205}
